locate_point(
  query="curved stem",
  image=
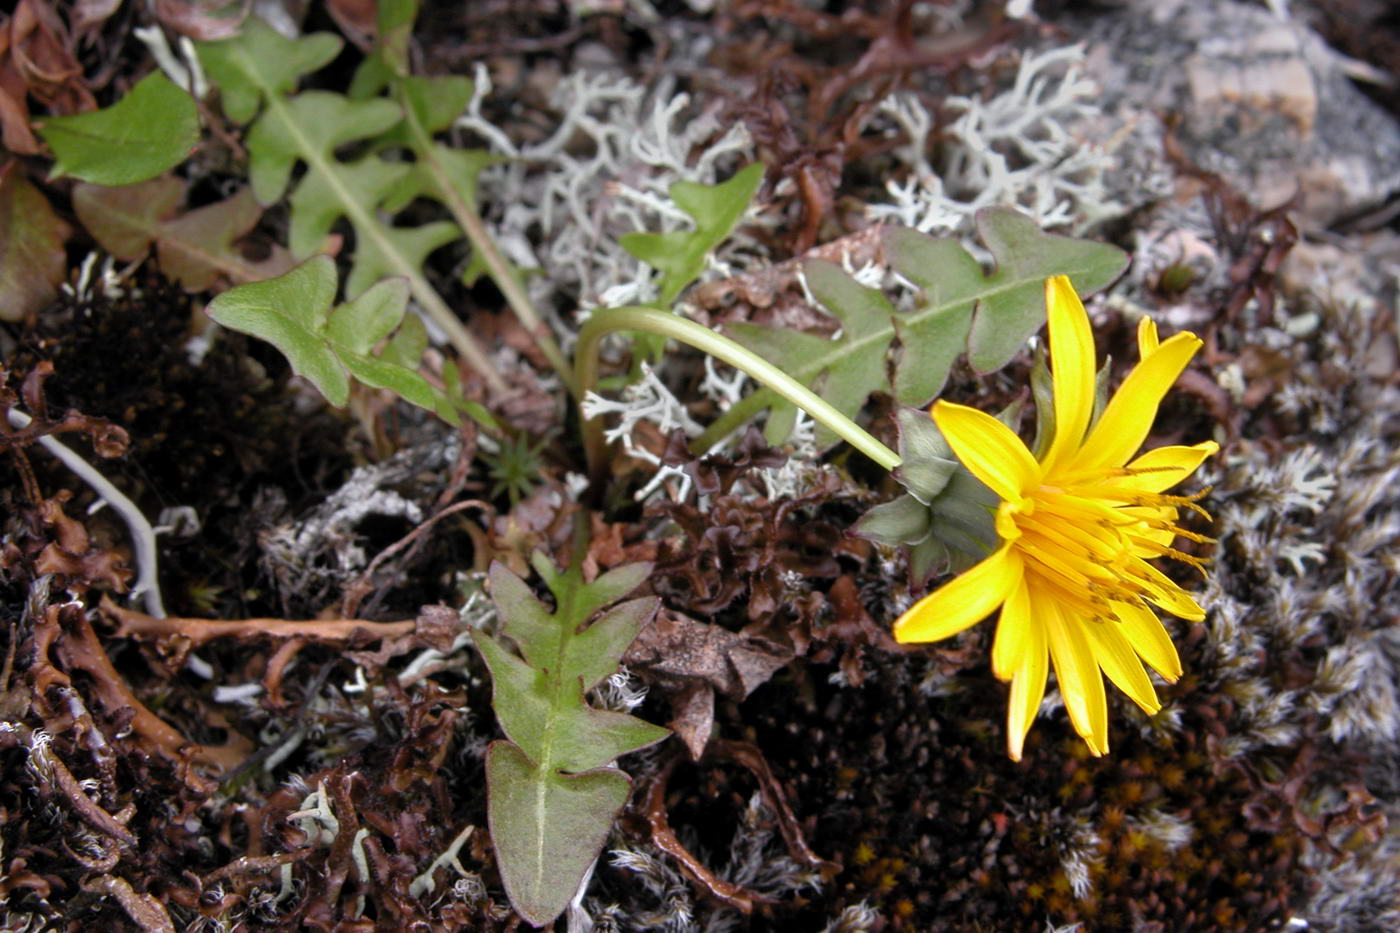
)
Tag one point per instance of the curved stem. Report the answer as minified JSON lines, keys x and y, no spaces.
{"x":653,"y":321}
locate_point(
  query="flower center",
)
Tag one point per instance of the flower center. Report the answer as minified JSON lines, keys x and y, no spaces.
{"x":1088,"y":542}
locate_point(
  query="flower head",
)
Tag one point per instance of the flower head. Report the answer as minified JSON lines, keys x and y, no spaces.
{"x":1077,"y":530}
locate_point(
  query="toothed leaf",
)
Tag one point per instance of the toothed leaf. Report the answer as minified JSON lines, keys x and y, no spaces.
{"x":552,"y":794}
{"x":151,"y":130}
{"x":680,"y":255}
{"x":989,"y":316}
{"x":261,"y":61}
{"x":293,"y":313}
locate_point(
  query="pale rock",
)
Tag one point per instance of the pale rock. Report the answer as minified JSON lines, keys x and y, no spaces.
{"x":1261,"y":101}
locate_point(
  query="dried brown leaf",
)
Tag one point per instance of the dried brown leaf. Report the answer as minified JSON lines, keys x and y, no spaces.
{"x":32,"y":260}
{"x":206,"y":20}
{"x":197,"y":249}
{"x":691,"y":660}
{"x":37,"y":60}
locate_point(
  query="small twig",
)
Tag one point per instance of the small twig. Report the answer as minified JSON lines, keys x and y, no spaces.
{"x":67,"y":629}
{"x":136,"y":624}
{"x":356,"y":590}
{"x":145,"y":910}
{"x":45,"y":761}
{"x":751,"y":757}
{"x":665,"y":839}
{"x":143,"y":537}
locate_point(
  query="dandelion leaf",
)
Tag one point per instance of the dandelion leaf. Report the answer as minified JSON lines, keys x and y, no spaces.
{"x":552,"y":788}
{"x":858,"y":367}
{"x":149,"y":131}
{"x":309,"y":128}
{"x":961,"y":309}
{"x":261,"y":61}
{"x":680,"y":255}
{"x":329,"y":346}
{"x":1013,"y":307}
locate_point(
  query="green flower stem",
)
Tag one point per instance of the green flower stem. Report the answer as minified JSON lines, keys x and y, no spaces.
{"x":501,"y":272}
{"x":653,"y":321}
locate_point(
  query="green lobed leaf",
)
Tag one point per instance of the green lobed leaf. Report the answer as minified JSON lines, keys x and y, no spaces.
{"x":290,"y":313}
{"x":962,"y":308}
{"x":261,"y":61}
{"x":293,"y":313}
{"x":32,"y":258}
{"x":389,"y":59}
{"x":149,"y":131}
{"x":547,"y":827}
{"x":680,"y":255}
{"x":552,"y":794}
{"x":309,"y":128}
{"x":196,"y":248}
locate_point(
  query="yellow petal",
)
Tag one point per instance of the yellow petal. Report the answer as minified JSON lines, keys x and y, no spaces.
{"x":1162,"y":536}
{"x":1013,"y":633}
{"x":1072,"y":362}
{"x":1147,"y":337}
{"x":963,"y":601}
{"x":1027,"y":690}
{"x":989,"y":449}
{"x":1165,"y":593}
{"x":1129,"y":414}
{"x":1163,"y":467}
{"x":1081,"y":684}
{"x":1145,"y":632}
{"x":1118,"y":660}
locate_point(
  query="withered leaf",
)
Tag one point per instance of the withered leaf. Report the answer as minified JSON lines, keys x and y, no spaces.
{"x":207,"y":20}
{"x":691,"y":660}
{"x":36,"y":60}
{"x":196,"y":248}
{"x":32,"y":260}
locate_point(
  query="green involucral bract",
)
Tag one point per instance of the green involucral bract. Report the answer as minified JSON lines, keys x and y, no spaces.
{"x":552,"y":787}
{"x":946,"y":516}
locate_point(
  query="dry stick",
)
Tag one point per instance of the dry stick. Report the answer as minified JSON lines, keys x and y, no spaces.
{"x":355,"y":591}
{"x":145,"y":910}
{"x":88,"y":810}
{"x":80,"y":648}
{"x":198,"y":631}
{"x":665,"y":839}
{"x":751,"y":757}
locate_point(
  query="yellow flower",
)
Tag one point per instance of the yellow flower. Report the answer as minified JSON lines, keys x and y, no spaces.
{"x":1071,"y":576}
